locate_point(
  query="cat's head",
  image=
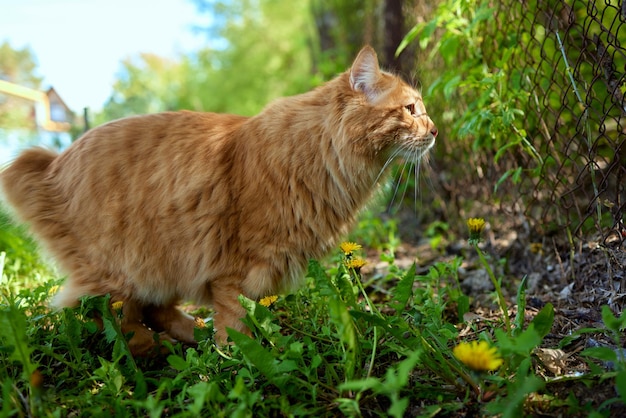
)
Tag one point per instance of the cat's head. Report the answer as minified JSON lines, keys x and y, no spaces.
{"x":394,"y":110}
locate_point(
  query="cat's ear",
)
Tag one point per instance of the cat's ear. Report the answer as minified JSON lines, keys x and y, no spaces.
{"x":365,"y":72}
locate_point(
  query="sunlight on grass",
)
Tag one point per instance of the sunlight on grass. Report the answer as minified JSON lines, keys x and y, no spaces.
{"x":334,"y":347}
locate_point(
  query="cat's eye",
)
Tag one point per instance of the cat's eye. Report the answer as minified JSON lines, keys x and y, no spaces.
{"x":410,"y":108}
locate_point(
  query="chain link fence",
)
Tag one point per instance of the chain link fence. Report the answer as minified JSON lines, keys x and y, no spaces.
{"x":572,"y":63}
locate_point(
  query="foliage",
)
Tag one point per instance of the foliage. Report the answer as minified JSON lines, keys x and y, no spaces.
{"x":342,"y":27}
{"x":256,"y":51}
{"x":138,"y":91}
{"x":21,"y":257}
{"x":487,"y":111}
{"x":334,"y":347}
{"x":248,"y":62}
{"x":261,"y":52}
{"x":532,"y":92}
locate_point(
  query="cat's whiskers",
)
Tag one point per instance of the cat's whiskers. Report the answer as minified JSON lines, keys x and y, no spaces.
{"x":428,"y":179}
{"x":412,"y":155}
{"x":398,"y":181}
{"x":418,"y":166}
{"x":391,"y":158}
{"x":410,"y":164}
{"x":412,"y":159}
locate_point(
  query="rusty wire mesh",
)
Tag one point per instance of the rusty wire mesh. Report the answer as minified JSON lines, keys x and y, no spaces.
{"x":572,"y":59}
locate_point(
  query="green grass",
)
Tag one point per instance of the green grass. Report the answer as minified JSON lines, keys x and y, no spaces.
{"x":333,"y":348}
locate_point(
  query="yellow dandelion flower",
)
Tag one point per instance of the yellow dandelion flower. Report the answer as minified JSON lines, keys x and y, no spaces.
{"x":355,"y":263}
{"x":268,"y":300}
{"x":478,"y":355}
{"x":536,"y":248}
{"x":117,"y":306}
{"x":53,"y":289}
{"x":476,"y":226}
{"x":349,"y":247}
{"x":199,"y":322}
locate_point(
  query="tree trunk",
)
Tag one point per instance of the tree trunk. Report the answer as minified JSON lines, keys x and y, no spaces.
{"x":393,"y":34}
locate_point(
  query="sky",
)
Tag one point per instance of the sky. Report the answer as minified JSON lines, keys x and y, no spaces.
{"x":79,"y":44}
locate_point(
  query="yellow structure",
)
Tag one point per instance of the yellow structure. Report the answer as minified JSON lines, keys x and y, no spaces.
{"x":51,"y":113}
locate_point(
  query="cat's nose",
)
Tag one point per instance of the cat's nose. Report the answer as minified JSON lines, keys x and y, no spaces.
{"x":434,"y":131}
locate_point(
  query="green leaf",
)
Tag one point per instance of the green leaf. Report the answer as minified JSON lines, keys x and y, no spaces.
{"x":396,"y":378}
{"x":449,"y":49}
{"x":403,"y":291}
{"x":323,"y":283}
{"x":344,"y":287}
{"x":340,"y":316}
{"x":483,"y":13}
{"x":620,"y":384}
{"x":405,"y":367}
{"x":408,"y":38}
{"x":14,"y":324}
{"x":594,"y":369}
{"x":600,"y":353}
{"x":141,"y":388}
{"x":463,"y":306}
{"x":200,"y":393}
{"x":72,"y":333}
{"x":521,"y":307}
{"x":429,"y":30}
{"x":611,"y":321}
{"x":525,"y":382}
{"x":426,"y":30}
{"x":576,"y":335}
{"x":177,"y":362}
{"x":316,"y":271}
{"x":543,"y":320}
{"x":398,"y":407}
{"x":504,"y":148}
{"x":364,"y":384}
{"x":8,"y":399}
{"x":514,"y":172}
{"x":287,"y":366}
{"x":370,"y":318}
{"x":522,"y":344}
{"x":110,"y":331}
{"x":451,"y":86}
{"x":261,"y":317}
{"x":262,"y":359}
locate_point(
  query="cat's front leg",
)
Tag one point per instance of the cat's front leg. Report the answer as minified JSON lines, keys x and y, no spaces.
{"x":228,"y":310}
{"x":144,"y":341}
{"x":171,"y":320}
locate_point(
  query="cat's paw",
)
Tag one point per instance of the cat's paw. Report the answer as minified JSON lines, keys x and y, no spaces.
{"x":150,"y":344}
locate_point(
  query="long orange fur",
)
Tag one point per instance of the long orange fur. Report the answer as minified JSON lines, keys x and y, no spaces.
{"x":204,"y":207}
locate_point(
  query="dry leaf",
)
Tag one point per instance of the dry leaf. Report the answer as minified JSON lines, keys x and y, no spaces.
{"x":552,"y":359}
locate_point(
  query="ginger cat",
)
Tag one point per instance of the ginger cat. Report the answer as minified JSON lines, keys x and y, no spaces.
{"x":177,"y":206}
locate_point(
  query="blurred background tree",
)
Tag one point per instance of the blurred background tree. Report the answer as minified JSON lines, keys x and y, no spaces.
{"x":145,"y":84}
{"x":258,"y":50}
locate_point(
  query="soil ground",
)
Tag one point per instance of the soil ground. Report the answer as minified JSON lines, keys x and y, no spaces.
{"x":576,"y":281}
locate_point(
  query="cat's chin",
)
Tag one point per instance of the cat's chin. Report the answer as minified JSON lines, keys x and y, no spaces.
{"x":414,"y":153}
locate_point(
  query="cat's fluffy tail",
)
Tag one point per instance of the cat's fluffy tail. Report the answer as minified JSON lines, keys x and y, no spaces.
{"x":30,"y":187}
{"x":24,"y":184}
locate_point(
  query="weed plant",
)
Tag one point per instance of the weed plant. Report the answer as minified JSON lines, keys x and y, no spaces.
{"x":333,"y":348}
